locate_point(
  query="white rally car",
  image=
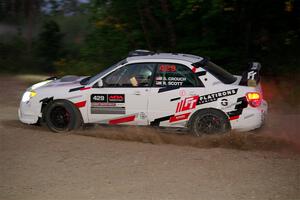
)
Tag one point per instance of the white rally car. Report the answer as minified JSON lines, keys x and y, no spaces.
{"x":157,"y":89}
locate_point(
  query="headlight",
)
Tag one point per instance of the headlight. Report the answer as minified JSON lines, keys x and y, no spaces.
{"x":28,"y":95}
{"x":30,"y":91}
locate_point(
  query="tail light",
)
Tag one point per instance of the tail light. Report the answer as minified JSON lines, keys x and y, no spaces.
{"x":254,"y":98}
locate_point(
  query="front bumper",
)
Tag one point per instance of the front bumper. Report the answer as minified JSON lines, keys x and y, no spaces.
{"x":29,"y":112}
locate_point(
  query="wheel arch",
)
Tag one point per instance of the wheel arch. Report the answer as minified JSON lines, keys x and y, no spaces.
{"x":192,"y":117}
{"x":47,"y":101}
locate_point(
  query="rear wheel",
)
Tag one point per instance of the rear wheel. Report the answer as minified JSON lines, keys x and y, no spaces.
{"x":62,"y":116}
{"x":209,"y":121}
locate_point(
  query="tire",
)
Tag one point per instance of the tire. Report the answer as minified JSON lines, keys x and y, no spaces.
{"x":62,"y":116}
{"x":209,"y":121}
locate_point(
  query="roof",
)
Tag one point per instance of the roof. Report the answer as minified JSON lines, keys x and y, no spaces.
{"x":175,"y":56}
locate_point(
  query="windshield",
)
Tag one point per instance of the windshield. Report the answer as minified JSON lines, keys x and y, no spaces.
{"x":91,"y":79}
{"x":219,"y":73}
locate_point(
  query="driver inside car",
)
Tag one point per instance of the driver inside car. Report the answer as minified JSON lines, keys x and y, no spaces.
{"x":142,"y":80}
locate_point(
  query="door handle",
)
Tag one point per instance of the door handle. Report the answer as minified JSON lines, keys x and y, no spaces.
{"x":137,"y":93}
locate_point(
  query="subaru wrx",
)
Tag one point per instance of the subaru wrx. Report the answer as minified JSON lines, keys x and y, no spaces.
{"x":156,"y":89}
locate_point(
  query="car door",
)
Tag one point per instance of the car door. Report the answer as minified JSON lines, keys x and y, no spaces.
{"x":174,"y":95}
{"x":123,"y":98}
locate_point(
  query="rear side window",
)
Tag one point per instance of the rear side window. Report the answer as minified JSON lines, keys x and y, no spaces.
{"x":175,"y":75}
{"x":219,"y":73}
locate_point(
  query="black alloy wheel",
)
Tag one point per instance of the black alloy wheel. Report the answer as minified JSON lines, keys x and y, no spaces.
{"x":209,"y":121}
{"x":62,"y":116}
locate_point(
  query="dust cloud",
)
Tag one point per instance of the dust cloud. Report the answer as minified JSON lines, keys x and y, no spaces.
{"x":241,"y":141}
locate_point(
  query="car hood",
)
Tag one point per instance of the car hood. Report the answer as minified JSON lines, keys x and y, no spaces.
{"x":64,"y":82}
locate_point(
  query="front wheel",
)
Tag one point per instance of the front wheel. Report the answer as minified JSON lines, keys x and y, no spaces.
{"x":209,"y":121}
{"x":62,"y":116}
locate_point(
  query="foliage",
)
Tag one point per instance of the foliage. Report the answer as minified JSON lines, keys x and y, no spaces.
{"x":231,"y":33}
{"x":49,"y":46}
{"x":101,"y":32}
{"x":15,"y":58}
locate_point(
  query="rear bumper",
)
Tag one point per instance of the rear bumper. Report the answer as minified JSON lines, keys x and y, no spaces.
{"x":251,"y":118}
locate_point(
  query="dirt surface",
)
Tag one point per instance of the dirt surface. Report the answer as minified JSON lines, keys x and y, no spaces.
{"x":143,"y":163}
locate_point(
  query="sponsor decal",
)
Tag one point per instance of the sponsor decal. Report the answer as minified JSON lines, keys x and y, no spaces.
{"x":179,"y":117}
{"x":251,"y":75}
{"x":116,"y":98}
{"x":108,"y":98}
{"x":187,"y":104}
{"x":99,"y":98}
{"x":106,"y":104}
{"x":108,"y":110}
{"x":103,"y":104}
{"x":182,"y":93}
{"x":142,"y":115}
{"x":215,"y":96}
{"x":167,"y":68}
{"x":224,"y":102}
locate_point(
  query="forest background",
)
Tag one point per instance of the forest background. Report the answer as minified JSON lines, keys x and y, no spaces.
{"x":83,"y":37}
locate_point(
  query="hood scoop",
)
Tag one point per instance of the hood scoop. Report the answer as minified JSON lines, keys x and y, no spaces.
{"x":69,"y":78}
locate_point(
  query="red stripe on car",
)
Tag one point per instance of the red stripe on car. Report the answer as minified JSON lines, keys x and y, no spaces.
{"x":80,"y":104}
{"x":85,"y":88}
{"x":178,"y":106}
{"x":122,"y":120}
{"x":179,"y":117}
{"x":234,"y":117}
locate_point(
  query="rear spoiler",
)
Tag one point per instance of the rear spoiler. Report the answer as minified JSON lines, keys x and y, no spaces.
{"x":251,"y":77}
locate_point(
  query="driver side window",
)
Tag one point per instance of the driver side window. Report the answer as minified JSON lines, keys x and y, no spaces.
{"x":132,"y":75}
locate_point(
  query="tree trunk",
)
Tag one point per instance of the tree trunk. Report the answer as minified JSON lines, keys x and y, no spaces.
{"x":147,"y":13}
{"x":29,"y":13}
{"x":143,"y":24}
{"x":169,"y":24}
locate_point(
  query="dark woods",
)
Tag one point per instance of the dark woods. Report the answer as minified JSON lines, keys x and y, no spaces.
{"x":85,"y":36}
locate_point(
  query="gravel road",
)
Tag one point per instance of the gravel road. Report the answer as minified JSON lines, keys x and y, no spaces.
{"x":140,"y":163}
